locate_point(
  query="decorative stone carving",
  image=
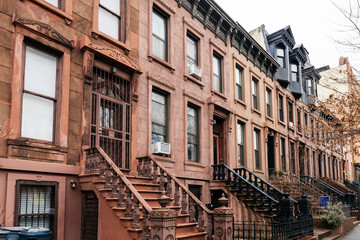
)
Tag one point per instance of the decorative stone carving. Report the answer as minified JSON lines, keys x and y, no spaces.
{"x":192,"y":24}
{"x":44,"y":29}
{"x":167,"y":5}
{"x":163,"y":221}
{"x":114,"y":54}
{"x":223,"y":220}
{"x":135,"y":86}
{"x":193,"y":96}
{"x":88,"y":65}
{"x":161,"y":80}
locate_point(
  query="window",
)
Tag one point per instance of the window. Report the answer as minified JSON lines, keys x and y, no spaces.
{"x":294,"y":73}
{"x":240,"y":143}
{"x":159,"y":116}
{"x":111,"y":19}
{"x":255,"y":93}
{"x":257,"y":148}
{"x":292,"y":157}
{"x":55,"y":3}
{"x":192,"y":50}
{"x":217,"y":72}
{"x":314,"y":162}
{"x":239,"y":82}
{"x":268,"y":102}
{"x":291,"y":120}
{"x":312,"y":128}
{"x":298,"y":120}
{"x":39,"y":95}
{"x":281,"y":108}
{"x":280,"y":53}
{"x":305,"y":119}
{"x":282,"y":154}
{"x":309,"y":87}
{"x":36,"y":205}
{"x":160,"y":34}
{"x":193,"y":133}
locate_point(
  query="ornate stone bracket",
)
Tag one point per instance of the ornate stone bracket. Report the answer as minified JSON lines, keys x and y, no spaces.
{"x":88,"y":64}
{"x":43,"y":29}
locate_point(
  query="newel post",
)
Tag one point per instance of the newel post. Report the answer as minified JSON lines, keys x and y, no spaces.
{"x":223,"y":220}
{"x":163,"y":220}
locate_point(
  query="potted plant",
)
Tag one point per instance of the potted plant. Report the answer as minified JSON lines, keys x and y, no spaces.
{"x":333,"y":215}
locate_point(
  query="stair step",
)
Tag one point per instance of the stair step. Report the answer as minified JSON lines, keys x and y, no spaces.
{"x":186,"y":227}
{"x":192,"y":236}
{"x":150,"y":193}
{"x":333,"y":237}
{"x":146,"y":186}
{"x":322,"y":233}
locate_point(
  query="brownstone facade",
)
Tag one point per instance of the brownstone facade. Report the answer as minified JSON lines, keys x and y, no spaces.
{"x":200,"y":86}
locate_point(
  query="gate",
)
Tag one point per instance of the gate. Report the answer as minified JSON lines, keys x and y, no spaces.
{"x":111,"y":116}
{"x":89,"y":226}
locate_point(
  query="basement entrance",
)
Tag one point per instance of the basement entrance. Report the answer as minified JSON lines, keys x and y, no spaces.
{"x":89,"y":225}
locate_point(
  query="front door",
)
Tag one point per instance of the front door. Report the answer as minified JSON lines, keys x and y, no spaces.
{"x":271,"y":154}
{"x":219,"y":140}
{"x":111,"y":116}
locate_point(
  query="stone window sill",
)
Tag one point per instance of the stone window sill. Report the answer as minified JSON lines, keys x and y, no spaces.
{"x":112,"y":40}
{"x":68,"y":18}
{"x":194,"y":80}
{"x":161,"y":62}
{"x":214,"y":92}
{"x":194,"y":164}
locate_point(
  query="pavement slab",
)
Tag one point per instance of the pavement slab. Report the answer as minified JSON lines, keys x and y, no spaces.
{"x":353,"y":235}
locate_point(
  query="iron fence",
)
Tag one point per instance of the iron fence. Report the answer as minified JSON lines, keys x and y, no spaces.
{"x":275,"y":230}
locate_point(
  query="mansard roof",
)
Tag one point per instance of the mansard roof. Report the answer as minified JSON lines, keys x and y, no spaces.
{"x":299,"y":52}
{"x":285,"y":34}
{"x":310,"y":71}
{"x":211,"y":15}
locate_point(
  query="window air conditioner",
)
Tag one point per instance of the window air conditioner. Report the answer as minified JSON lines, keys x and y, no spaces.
{"x":291,"y":124}
{"x":195,"y":71}
{"x":161,"y":148}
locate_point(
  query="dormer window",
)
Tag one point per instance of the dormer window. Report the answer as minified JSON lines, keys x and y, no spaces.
{"x":294,"y":72}
{"x":309,"y":87}
{"x":280,"y":54}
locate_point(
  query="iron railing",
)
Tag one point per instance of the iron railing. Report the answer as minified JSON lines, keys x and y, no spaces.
{"x":243,"y":186}
{"x":276,"y":230}
{"x":323,"y":186}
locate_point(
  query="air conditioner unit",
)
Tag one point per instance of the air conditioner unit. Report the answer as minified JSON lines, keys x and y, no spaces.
{"x":161,"y":148}
{"x":195,"y":71}
{"x":291,"y":124}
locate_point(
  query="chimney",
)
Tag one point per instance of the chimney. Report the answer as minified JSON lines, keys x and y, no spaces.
{"x":343,"y":60}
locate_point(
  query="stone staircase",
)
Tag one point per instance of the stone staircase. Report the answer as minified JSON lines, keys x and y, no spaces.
{"x":297,"y":188}
{"x":133,"y":198}
{"x":257,"y":194}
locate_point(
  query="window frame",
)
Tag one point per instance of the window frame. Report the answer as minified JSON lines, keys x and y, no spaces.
{"x":268,"y":96}
{"x":257,"y":151}
{"x":283,"y":59}
{"x":290,"y":112}
{"x":281,"y":107}
{"x":166,"y":95}
{"x":162,"y":14}
{"x":283,"y":153}
{"x":220,"y":59}
{"x":241,"y":154}
{"x":239,"y":86}
{"x":191,"y":36}
{"x":292,"y":153}
{"x":298,"y":118}
{"x":197,"y":119}
{"x":35,"y":183}
{"x":58,"y":90}
{"x":294,"y":72}
{"x":255,"y":93}
{"x":121,"y":20}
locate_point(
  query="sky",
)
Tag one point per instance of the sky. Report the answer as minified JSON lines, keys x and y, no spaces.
{"x":318,"y":24}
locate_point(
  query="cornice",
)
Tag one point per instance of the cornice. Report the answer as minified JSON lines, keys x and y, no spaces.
{"x":224,"y":27}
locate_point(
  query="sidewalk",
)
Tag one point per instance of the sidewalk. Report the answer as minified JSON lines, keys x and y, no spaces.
{"x":353,"y":235}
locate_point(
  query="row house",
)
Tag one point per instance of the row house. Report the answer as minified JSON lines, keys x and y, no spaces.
{"x":68,"y":73}
{"x":109,"y":103}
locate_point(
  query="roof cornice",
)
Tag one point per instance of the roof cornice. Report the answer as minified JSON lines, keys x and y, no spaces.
{"x":213,"y":17}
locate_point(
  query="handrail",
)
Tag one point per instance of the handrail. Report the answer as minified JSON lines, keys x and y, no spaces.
{"x":178,"y":182}
{"x":247,"y":182}
{"x":266,"y":183}
{"x":125,"y":180}
{"x":324,"y":184}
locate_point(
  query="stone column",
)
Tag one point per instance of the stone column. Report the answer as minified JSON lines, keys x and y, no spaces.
{"x":163,"y":221}
{"x":223,"y":220}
